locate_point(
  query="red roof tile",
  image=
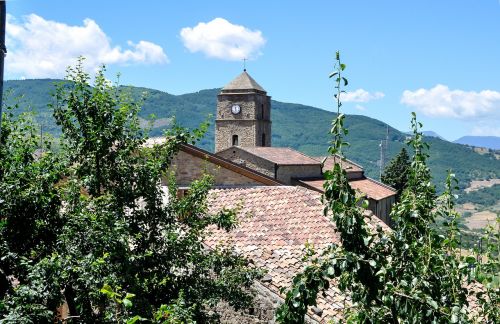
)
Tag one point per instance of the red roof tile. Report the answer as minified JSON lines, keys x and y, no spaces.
{"x":281,"y":155}
{"x":275,"y":223}
{"x":371,"y":188}
{"x":329,"y":162}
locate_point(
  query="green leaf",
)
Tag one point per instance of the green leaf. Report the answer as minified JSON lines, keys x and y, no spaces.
{"x":135,"y":319}
{"x":107,"y":290}
{"x":333,"y":74}
{"x":342,"y":66}
{"x":432,"y":303}
{"x":127,"y":303}
{"x":382,"y":271}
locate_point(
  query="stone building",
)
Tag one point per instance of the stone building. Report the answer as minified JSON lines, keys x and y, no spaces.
{"x":278,"y":192}
{"x":243,"y":114}
{"x":281,"y":163}
{"x":243,"y":136}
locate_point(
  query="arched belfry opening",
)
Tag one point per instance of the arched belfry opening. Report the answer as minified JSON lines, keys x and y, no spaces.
{"x":243,"y":108}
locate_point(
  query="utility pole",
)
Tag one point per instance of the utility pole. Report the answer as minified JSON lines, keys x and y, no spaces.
{"x":386,"y":143}
{"x":384,"y":146}
{"x":3,"y":53}
{"x":381,"y":145}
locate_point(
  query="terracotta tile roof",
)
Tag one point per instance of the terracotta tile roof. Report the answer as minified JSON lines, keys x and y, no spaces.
{"x":329,"y":162}
{"x":313,"y":184}
{"x":281,"y":155}
{"x":371,"y":188}
{"x":275,"y":222}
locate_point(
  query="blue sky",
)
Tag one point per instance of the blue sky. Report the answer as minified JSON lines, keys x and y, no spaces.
{"x":439,"y":58}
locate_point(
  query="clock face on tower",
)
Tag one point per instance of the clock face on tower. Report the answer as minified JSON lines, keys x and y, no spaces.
{"x":235,"y":109}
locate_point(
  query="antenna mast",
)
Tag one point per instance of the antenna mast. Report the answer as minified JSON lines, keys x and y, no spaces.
{"x":386,"y":143}
{"x":384,"y":148}
{"x":381,"y":146}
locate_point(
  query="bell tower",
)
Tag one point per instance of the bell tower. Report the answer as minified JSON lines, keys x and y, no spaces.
{"x":243,"y":114}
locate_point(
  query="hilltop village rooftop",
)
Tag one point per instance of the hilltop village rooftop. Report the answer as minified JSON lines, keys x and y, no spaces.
{"x":277,"y":191}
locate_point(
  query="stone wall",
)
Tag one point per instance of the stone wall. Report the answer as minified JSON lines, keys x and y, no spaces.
{"x":283,"y":173}
{"x":249,"y":125}
{"x":265,"y":304}
{"x":287,"y":172}
{"x":188,"y":168}
{"x":249,"y":160}
{"x":225,"y":129}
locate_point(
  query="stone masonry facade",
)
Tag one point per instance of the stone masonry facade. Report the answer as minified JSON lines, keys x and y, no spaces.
{"x":252,"y":125}
{"x":250,"y":161}
{"x":189,"y":168}
{"x":283,"y":173}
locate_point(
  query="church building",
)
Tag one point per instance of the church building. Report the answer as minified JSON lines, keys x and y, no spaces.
{"x":277,"y":191}
{"x":243,"y":136}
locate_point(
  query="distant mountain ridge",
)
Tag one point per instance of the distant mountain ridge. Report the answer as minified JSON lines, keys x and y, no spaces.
{"x":433,"y":134}
{"x":491,"y":142}
{"x":301,"y":127}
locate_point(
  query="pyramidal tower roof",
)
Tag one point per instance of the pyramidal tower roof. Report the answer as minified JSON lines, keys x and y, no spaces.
{"x":243,"y":82}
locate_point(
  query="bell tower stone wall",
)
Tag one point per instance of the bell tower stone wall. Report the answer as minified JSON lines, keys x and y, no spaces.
{"x":243,"y":115}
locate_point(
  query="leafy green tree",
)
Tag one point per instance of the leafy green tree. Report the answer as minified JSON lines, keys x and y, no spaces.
{"x":408,"y":275}
{"x":396,"y":173}
{"x":103,"y":234}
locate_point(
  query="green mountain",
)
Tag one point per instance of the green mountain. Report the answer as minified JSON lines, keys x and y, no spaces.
{"x":298,"y":126}
{"x":491,"y":142}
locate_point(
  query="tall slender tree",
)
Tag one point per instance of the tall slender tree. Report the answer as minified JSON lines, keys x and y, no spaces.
{"x":396,"y":173}
{"x":3,"y":52}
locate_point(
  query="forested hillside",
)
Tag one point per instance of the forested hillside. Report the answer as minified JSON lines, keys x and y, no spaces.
{"x":298,"y":126}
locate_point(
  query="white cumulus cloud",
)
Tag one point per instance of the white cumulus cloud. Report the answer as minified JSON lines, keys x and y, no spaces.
{"x":440,"y":101}
{"x":223,"y":40}
{"x":44,"y":48}
{"x":361,"y":95}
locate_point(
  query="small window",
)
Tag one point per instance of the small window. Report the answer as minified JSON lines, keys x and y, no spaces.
{"x":263,"y":139}
{"x":262,"y":110}
{"x":235,"y":140}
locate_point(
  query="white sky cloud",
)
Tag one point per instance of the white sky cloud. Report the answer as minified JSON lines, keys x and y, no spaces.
{"x":480,"y":110}
{"x":223,"y":40}
{"x":361,"y":95}
{"x":39,"y":48}
{"x":440,"y":101}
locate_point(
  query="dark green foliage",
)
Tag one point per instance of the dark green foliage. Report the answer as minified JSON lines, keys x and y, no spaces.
{"x":396,"y":173}
{"x":409,"y":275}
{"x":92,"y":226}
{"x":298,"y":126}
